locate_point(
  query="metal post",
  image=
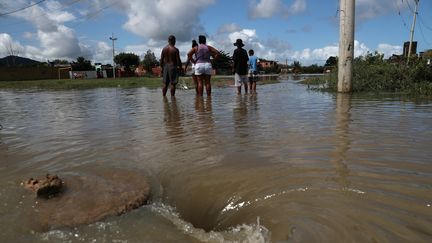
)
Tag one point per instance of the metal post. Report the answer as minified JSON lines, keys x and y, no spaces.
{"x":412,"y":30}
{"x":113,"y":39}
{"x":346,"y":45}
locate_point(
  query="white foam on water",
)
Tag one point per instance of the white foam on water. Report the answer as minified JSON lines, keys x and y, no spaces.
{"x":254,"y":233}
{"x":236,"y":203}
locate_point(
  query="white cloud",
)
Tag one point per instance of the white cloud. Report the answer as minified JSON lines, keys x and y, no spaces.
{"x":103,"y":53}
{"x":228,"y":28}
{"x":320,"y":55}
{"x":8,"y":46}
{"x":389,"y":50}
{"x":56,"y":41}
{"x":369,"y":9}
{"x":271,"y":8}
{"x":247,"y":35}
{"x":159,"y":19}
{"x":60,"y":44}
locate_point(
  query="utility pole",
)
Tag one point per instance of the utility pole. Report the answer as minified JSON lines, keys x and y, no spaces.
{"x":412,"y":30}
{"x":113,"y":39}
{"x":346,"y":45}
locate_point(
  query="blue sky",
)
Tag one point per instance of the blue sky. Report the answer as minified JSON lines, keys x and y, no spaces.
{"x":282,"y":30}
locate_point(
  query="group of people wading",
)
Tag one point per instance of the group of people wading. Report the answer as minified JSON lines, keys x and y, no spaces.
{"x":244,"y":66}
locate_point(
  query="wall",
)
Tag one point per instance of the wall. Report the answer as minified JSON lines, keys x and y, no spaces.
{"x":84,"y":74}
{"x":31,"y":73}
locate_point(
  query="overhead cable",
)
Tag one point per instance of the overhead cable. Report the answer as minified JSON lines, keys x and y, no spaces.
{"x":21,"y":9}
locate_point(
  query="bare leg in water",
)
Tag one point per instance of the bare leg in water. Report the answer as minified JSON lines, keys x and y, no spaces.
{"x":207,"y":84}
{"x":164,"y":89}
{"x":173,"y":89}
{"x":195,"y":80}
{"x":200,"y":88}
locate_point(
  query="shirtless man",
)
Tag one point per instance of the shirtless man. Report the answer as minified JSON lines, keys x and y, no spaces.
{"x":171,"y":66}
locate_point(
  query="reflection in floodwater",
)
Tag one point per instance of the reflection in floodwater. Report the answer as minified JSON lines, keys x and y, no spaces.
{"x":240,"y":112}
{"x":245,"y":115}
{"x":172,"y":118}
{"x":294,"y":165}
{"x":204,"y":115}
{"x":343,"y":139}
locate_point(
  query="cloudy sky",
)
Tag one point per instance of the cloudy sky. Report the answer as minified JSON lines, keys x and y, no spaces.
{"x":282,"y":30}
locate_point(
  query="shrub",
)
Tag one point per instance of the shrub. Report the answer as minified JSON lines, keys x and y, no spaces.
{"x":372,"y":73}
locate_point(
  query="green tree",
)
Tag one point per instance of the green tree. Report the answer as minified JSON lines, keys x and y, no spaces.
{"x":149,"y":61}
{"x":428,"y":53}
{"x":297,"y":67}
{"x":223,"y":64}
{"x":331,"y":61}
{"x":127,"y":60}
{"x":314,"y":68}
{"x":82,"y":65}
{"x":58,"y":61}
{"x":375,"y":58}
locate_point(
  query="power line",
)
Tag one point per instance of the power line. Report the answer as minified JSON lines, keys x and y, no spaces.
{"x":86,"y":18}
{"x":409,"y":6}
{"x":400,"y":15}
{"x":424,"y":23}
{"x":424,"y":38}
{"x":64,"y":6}
{"x":23,"y":8}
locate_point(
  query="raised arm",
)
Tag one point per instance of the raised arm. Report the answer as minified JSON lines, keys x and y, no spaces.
{"x":190,"y":54}
{"x":215,"y":53}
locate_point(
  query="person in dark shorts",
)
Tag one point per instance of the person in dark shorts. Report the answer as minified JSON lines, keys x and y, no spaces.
{"x":253,"y":71}
{"x":240,"y":66}
{"x":171,"y":66}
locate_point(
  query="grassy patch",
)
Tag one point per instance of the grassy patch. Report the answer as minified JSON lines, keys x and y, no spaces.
{"x":131,"y":82}
{"x":65,"y":84}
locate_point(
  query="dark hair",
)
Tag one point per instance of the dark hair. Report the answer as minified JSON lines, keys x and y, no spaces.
{"x":201,"y":39}
{"x":194,"y":43}
{"x":171,"y":39}
{"x":251,"y":52}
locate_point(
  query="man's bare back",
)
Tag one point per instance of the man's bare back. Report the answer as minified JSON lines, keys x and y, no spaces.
{"x":170,"y":55}
{"x":171,"y":65}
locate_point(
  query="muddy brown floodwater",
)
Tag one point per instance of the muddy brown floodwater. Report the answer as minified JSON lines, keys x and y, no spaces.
{"x":285,"y":165}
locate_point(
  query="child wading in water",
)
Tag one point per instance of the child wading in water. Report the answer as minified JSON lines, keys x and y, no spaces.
{"x":253,"y":71}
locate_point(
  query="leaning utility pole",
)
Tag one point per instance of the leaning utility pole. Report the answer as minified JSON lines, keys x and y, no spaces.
{"x":113,"y":39}
{"x":346,"y":45}
{"x":412,"y":30}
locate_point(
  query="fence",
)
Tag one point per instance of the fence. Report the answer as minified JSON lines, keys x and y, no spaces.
{"x":32,"y":73}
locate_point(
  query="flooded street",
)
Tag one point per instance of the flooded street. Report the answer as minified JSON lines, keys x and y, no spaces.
{"x":284,"y":165}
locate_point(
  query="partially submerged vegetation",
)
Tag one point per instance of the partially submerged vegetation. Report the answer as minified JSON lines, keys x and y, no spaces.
{"x":374,"y":74}
{"x":130,"y":82}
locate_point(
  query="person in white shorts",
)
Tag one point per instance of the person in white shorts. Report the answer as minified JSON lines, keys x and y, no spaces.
{"x":194,"y":77}
{"x":240,"y":66}
{"x":203,"y":67}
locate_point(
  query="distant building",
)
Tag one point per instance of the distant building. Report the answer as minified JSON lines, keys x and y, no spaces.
{"x":266,"y":63}
{"x":396,"y":59}
{"x":406,"y":48}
